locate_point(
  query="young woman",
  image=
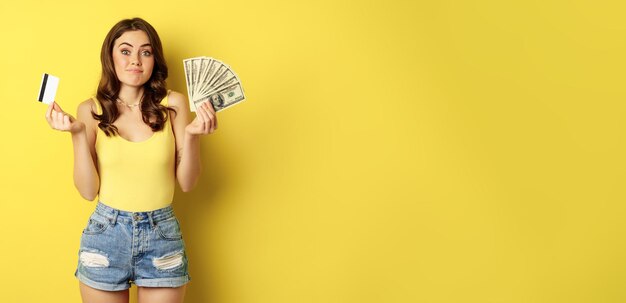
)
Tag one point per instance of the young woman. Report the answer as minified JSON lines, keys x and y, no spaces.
{"x":132,"y":141}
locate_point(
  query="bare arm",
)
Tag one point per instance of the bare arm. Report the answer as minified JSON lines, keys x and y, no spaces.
{"x":188,"y":164}
{"x":86,"y":178}
{"x":82,"y":129}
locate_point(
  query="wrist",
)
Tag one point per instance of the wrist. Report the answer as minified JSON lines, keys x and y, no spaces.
{"x":191,"y":136}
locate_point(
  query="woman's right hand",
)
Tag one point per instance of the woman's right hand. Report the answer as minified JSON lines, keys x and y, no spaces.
{"x":60,"y":120}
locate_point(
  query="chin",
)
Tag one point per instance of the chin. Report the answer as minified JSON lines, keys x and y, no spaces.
{"x":134,"y":82}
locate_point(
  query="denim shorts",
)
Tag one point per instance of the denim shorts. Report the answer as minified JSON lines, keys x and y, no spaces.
{"x":118,"y":248}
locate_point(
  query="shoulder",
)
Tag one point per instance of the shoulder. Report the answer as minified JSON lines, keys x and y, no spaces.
{"x":180,"y":118}
{"x":83,"y":114}
{"x":176,"y":99}
{"x":178,"y":102}
{"x":86,"y":107}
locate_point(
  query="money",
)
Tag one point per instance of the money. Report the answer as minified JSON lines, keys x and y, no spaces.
{"x":213,"y":80}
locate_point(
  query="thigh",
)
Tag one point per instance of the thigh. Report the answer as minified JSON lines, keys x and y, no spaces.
{"x":92,"y":295}
{"x":161,"y":294}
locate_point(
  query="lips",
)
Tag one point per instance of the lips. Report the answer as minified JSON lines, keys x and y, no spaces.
{"x":135,"y":71}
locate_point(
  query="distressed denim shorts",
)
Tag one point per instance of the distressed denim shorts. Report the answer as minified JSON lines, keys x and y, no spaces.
{"x":119,"y":247}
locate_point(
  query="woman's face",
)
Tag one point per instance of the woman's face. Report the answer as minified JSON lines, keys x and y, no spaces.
{"x":132,"y":57}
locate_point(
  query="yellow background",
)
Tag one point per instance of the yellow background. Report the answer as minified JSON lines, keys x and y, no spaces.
{"x":388,"y":151}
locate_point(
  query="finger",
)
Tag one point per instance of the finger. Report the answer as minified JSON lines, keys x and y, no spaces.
{"x":208,"y":107}
{"x":201,"y":119}
{"x":199,"y":115}
{"x":203,"y":112}
{"x":211,"y":119}
{"x":66,"y":121}
{"x":49,"y":111}
{"x":60,"y":120}
{"x":211,"y":111}
{"x":57,"y":107}
{"x":57,"y":120}
{"x":207,"y":120}
{"x":215,"y":119}
{"x":214,"y":112}
{"x":214,"y":116}
{"x":53,"y":119}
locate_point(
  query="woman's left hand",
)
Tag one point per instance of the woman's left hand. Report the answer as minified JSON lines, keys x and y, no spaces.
{"x":205,"y":121}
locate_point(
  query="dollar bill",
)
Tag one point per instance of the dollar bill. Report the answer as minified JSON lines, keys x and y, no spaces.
{"x":220,"y":81}
{"x":188,"y":81}
{"x":226,"y":97}
{"x":204,"y":63}
{"x":211,"y":70}
{"x":213,"y":80}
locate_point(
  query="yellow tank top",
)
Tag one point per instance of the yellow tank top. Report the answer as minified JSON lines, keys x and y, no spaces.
{"x":136,"y":176}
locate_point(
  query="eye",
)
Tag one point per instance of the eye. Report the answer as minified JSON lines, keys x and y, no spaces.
{"x":125,"y":52}
{"x":146,"y":53}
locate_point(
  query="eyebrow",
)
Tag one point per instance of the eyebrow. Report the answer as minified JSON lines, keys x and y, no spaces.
{"x":147,"y":44}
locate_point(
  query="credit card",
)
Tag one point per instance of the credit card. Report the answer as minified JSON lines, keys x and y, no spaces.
{"x":48,"y":88}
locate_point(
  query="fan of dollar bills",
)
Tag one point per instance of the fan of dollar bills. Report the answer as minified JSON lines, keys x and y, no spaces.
{"x":209,"y":78}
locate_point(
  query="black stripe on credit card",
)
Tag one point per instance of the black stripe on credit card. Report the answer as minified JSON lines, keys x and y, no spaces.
{"x":43,"y":87}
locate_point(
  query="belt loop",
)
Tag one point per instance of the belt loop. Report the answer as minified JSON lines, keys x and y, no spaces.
{"x":150,"y":218}
{"x":114,"y":218}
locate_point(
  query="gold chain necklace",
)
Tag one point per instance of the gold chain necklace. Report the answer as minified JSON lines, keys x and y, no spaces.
{"x":126,"y":104}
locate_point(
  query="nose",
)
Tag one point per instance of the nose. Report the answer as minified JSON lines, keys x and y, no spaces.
{"x":136,"y":60}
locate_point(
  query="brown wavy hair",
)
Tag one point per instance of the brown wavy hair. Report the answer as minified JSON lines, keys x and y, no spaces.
{"x":154,"y":90}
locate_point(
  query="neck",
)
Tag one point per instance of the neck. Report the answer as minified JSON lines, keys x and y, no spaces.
{"x":130,"y":95}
